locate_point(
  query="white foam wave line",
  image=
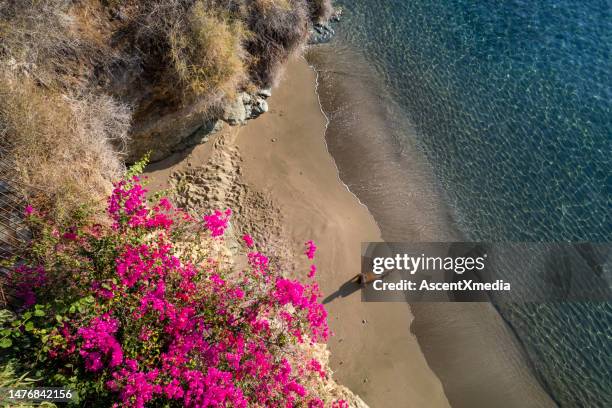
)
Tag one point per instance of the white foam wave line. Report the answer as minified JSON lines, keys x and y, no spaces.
{"x":327,"y":121}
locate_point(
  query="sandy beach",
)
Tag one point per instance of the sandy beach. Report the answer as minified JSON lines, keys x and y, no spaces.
{"x":282,"y":160}
{"x":380,"y":359}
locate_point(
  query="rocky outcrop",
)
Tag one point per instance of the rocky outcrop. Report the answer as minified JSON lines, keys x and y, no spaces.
{"x":323,"y":32}
{"x":162,"y":135}
{"x":246,"y":106}
{"x":163,"y":126}
{"x":167,"y":134}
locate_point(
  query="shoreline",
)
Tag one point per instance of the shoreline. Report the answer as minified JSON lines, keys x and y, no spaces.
{"x":327,"y":122}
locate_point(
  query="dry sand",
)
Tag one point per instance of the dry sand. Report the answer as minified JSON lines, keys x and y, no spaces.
{"x":276,"y":172}
{"x":284,"y":153}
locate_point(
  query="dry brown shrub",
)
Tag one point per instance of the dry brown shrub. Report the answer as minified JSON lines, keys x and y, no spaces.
{"x":206,"y":53}
{"x":36,"y":38}
{"x":279,"y":31}
{"x":321,"y":10}
{"x":61,"y":145}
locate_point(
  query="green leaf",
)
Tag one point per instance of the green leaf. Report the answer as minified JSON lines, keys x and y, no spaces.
{"x":138,"y":167}
{"x":6,"y":342}
{"x":29,"y":326}
{"x":39,"y":312}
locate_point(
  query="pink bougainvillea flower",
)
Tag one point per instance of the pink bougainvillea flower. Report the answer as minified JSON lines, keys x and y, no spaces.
{"x":99,"y":341}
{"x":26,"y":280}
{"x":316,"y":403}
{"x":29,"y":210}
{"x":217,"y":222}
{"x":313,"y":271}
{"x":258,"y":261}
{"x":248,"y":240}
{"x":165,"y":204}
{"x":164,"y":329}
{"x":70,"y":236}
{"x":311,"y":248}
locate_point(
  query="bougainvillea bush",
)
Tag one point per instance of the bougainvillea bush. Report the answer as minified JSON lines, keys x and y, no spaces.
{"x":144,"y":309}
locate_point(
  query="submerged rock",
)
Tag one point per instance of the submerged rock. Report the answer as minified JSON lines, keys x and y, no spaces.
{"x":321,"y":33}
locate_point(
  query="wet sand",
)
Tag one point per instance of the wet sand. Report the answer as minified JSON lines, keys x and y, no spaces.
{"x":469,"y":347}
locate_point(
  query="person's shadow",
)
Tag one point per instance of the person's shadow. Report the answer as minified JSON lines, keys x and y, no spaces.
{"x":353,"y":285}
{"x":348,"y":288}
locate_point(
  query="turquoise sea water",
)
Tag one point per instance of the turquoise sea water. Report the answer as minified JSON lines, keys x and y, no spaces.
{"x":511,"y":105}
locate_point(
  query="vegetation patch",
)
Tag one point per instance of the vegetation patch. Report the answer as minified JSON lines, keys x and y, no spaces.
{"x":65,"y":150}
{"x":207,"y":53}
{"x":146,"y":309}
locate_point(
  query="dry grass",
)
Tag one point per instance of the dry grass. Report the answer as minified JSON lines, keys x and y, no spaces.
{"x":207,"y":53}
{"x":36,"y":38}
{"x":62,"y":146}
{"x":61,"y":59}
{"x":321,"y":10}
{"x":214,"y":47}
{"x":278,"y":32}
{"x":282,"y":4}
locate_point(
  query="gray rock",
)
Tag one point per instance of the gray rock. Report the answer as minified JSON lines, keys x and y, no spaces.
{"x":265,"y":92}
{"x":163,"y":135}
{"x":235,"y":113}
{"x":259,"y":106}
{"x":249,"y":112}
{"x":201,"y":134}
{"x":246,"y":98}
{"x":245,"y":107}
{"x":336,"y":15}
{"x":321,"y":33}
{"x":191,"y":125}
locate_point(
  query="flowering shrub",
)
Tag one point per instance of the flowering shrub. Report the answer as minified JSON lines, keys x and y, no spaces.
{"x":143,"y":310}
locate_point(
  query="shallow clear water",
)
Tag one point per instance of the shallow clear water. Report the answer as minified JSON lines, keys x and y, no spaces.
{"x":510,"y":104}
